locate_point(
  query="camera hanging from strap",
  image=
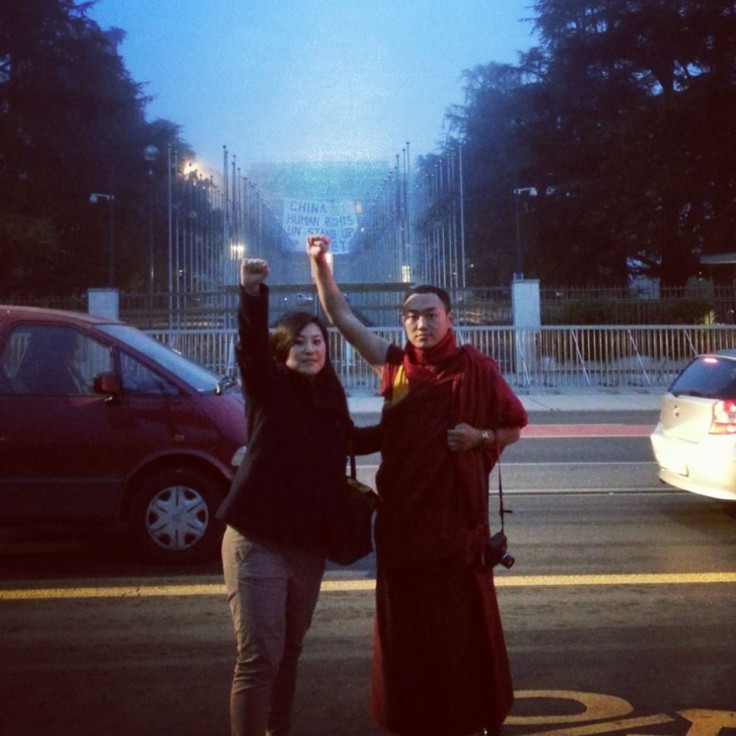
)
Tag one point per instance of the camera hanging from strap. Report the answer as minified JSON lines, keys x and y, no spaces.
{"x":496,"y":552}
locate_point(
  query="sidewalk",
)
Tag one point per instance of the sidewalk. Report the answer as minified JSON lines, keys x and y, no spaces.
{"x":573,"y":401}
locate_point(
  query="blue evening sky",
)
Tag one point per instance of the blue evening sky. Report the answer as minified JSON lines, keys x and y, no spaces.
{"x":310,"y":80}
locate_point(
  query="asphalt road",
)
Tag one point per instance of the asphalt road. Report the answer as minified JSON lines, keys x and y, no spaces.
{"x":619,"y":617}
{"x":570,"y":451}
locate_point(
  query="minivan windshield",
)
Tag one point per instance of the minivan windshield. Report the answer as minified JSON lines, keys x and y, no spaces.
{"x":195,"y":375}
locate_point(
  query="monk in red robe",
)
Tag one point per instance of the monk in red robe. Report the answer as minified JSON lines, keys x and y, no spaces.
{"x":440,"y":666}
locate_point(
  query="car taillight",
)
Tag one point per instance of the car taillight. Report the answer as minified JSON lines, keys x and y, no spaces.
{"x":723,"y":420}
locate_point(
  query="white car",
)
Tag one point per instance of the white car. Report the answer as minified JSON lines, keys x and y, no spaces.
{"x":694,"y":442}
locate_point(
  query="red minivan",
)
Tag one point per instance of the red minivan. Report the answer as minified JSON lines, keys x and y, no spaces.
{"x":102,"y":425}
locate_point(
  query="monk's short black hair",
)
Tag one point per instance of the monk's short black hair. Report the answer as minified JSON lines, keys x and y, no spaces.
{"x":429,"y":289}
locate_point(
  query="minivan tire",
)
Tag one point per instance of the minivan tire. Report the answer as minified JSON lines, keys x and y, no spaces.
{"x":173,"y":516}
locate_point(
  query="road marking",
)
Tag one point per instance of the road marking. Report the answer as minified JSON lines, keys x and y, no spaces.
{"x":607,"y":727}
{"x":121,"y":591}
{"x":348,"y":586}
{"x":599,"y":707}
{"x":564,"y":464}
{"x":630,"y":579}
{"x":571,"y":463}
{"x":595,"y":707}
{"x":549,"y":431}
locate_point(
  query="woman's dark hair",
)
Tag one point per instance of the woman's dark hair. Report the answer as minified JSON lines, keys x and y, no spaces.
{"x":430,"y":289}
{"x":325,"y":391}
{"x":287,"y":329}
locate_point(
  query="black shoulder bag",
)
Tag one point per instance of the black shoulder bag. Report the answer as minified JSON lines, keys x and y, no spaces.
{"x":350,"y":530}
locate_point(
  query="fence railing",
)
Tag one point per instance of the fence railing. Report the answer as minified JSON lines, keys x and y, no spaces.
{"x":380,"y":304}
{"x":540,"y":358}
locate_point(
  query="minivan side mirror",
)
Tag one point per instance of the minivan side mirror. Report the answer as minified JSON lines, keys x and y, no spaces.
{"x":108,"y":383}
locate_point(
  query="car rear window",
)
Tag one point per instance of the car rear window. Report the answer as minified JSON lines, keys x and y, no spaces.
{"x":708,"y":376}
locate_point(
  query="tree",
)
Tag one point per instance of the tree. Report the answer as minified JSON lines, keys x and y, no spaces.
{"x":624,"y":114}
{"x":489,"y":126}
{"x":72,"y":122}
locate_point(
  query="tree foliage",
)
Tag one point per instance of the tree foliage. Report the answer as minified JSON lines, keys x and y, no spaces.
{"x":72,"y":122}
{"x":622,"y":121}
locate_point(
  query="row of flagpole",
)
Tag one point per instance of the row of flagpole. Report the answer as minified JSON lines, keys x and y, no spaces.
{"x":411,"y":231}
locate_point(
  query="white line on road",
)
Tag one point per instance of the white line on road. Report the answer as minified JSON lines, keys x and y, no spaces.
{"x":585,"y":463}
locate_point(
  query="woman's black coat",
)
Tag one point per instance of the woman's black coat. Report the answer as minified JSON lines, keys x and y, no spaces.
{"x":294,"y":467}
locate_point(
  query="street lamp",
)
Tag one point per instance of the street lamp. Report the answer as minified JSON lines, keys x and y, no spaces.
{"x":94,"y":198}
{"x":532,"y":192}
{"x":461,"y":204}
{"x":150,"y":154}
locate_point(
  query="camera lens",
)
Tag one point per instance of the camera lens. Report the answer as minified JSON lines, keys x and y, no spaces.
{"x":508,"y":560}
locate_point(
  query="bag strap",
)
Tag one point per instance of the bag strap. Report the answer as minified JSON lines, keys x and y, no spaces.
{"x":351,"y":455}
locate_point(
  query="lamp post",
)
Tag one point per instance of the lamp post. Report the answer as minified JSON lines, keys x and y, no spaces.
{"x":532,"y":192}
{"x":94,"y":198}
{"x":169,"y":228}
{"x":150,"y":154}
{"x":461,"y":205}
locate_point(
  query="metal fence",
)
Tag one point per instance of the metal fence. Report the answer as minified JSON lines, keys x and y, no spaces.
{"x":380,"y":304}
{"x":540,"y":359}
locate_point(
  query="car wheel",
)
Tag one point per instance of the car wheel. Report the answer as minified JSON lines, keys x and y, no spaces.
{"x":173,"y":516}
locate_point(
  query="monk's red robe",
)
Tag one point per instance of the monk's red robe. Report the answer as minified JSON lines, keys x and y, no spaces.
{"x":440,"y":664}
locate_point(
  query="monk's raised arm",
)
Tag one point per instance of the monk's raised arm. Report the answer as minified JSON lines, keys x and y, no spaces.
{"x":372,"y":347}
